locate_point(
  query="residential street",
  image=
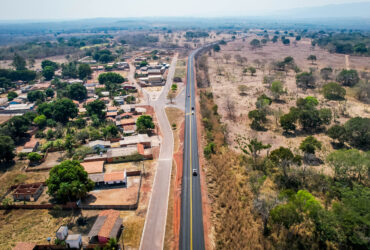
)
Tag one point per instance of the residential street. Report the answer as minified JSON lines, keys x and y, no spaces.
{"x":155,"y":223}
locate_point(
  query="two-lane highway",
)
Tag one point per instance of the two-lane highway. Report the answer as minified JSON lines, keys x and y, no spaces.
{"x":191,"y":227}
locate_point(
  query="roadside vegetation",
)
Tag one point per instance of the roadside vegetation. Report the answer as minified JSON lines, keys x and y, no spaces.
{"x":301,"y":192}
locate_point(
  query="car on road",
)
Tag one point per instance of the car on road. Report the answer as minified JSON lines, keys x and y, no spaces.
{"x":192,"y":112}
{"x":195,"y":172}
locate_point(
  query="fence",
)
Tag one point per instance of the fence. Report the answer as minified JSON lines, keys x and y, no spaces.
{"x":73,"y":205}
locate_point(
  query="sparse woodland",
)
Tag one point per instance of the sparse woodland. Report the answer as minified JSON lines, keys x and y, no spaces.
{"x":286,"y":140}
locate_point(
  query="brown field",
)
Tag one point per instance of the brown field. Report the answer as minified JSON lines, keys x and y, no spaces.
{"x":229,"y":75}
{"x":37,"y":225}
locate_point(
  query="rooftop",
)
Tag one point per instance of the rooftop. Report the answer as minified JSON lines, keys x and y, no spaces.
{"x":114,"y":176}
{"x":106,"y":225}
{"x":93,"y":167}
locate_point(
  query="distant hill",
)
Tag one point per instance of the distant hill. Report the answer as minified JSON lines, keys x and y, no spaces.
{"x":347,"y":10}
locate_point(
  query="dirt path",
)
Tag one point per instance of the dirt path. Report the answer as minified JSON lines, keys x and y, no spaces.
{"x":347,"y":61}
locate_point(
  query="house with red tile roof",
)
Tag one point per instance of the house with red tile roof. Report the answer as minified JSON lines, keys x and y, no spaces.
{"x":115,"y":178}
{"x":108,"y":225}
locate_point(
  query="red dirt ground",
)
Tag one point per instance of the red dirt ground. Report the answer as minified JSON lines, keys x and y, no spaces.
{"x":178,"y":157}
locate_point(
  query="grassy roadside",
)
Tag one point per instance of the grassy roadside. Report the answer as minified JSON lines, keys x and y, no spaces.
{"x":235,"y":227}
{"x":175,"y":116}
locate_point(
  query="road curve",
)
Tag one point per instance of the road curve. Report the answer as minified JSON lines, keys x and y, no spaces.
{"x":191,"y":224}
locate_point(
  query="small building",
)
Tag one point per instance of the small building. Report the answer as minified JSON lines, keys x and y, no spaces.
{"x":30,"y":146}
{"x":115,"y":178}
{"x":74,"y":241}
{"x":25,"y":246}
{"x":28,"y":192}
{"x":99,"y":144}
{"x":62,"y":233}
{"x":120,"y":154}
{"x":108,"y":225}
{"x":155,"y":79}
{"x":140,"y":110}
{"x":119,"y":99}
{"x":93,"y":167}
{"x":18,"y":108}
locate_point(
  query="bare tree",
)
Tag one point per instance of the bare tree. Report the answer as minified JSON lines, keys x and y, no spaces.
{"x":171,"y":96}
{"x":230,"y":107}
{"x":227,"y":57}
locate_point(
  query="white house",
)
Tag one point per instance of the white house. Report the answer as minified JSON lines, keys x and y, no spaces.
{"x":62,"y":233}
{"x":74,"y":241}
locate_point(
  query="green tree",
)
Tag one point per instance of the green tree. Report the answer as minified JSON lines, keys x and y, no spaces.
{"x":333,"y":91}
{"x":77,"y":91}
{"x":36,"y":95}
{"x":110,"y":77}
{"x":255,"y":43}
{"x":110,"y":131}
{"x":69,"y":70}
{"x":325,"y":116}
{"x":277,"y":89}
{"x":40,"y":121}
{"x":48,"y":73}
{"x":216,"y":48}
{"x":69,"y":143}
{"x":174,"y":87}
{"x":49,"y":92}
{"x":348,"y":77}
{"x":350,"y":164}
{"x":309,"y":145}
{"x":84,"y":71}
{"x":252,"y":147}
{"x":252,"y":70}
{"x":68,"y":181}
{"x":48,"y":63}
{"x":6,"y":148}
{"x":305,"y":80}
{"x":17,"y":127}
{"x":288,"y":121}
{"x":337,"y":132}
{"x":34,"y":157}
{"x":96,"y":108}
{"x":63,"y":109}
{"x":358,"y":132}
{"x":326,"y":73}
{"x":258,"y":118}
{"x":18,"y":62}
{"x":312,"y":58}
{"x":284,"y":158}
{"x":6,"y":83}
{"x":308,"y":102}
{"x":144,"y":123}
{"x":12,"y":95}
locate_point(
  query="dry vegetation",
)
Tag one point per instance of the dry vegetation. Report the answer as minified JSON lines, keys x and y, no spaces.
{"x":244,"y":189}
{"x":37,"y":225}
{"x":226,"y":72}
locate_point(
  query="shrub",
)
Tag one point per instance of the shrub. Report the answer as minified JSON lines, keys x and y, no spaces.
{"x":333,"y":91}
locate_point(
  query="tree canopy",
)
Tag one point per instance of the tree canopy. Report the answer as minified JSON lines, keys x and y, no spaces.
{"x":68,"y":181}
{"x":144,"y":123}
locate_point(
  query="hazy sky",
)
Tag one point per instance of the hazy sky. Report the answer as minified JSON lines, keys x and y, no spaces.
{"x":76,"y":9}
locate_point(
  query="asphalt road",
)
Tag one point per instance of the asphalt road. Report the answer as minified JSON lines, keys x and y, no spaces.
{"x":191,"y":227}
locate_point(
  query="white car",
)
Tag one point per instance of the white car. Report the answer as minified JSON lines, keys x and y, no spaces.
{"x":195,"y":172}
